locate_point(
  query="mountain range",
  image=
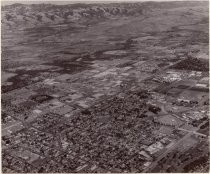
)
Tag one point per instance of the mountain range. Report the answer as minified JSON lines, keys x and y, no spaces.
{"x":21,"y":15}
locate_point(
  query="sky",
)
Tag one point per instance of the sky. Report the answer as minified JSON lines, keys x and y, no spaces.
{"x":8,"y":2}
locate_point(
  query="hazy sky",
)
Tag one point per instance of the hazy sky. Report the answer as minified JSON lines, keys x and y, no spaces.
{"x":6,"y":2}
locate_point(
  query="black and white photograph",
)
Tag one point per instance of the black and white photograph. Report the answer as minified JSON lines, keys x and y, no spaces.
{"x":105,"y":86}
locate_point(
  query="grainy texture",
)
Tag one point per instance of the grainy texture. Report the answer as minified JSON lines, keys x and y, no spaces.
{"x":113,"y":87}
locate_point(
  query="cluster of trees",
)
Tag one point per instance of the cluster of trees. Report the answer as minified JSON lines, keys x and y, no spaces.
{"x":154,"y":109}
{"x":192,"y":64}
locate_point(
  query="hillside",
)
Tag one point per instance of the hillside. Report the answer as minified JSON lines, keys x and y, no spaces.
{"x":20,"y":15}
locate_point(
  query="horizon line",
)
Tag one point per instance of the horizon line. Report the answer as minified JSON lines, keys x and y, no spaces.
{"x":56,"y":2}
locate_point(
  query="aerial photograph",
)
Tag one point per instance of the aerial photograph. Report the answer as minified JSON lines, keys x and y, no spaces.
{"x":105,"y":86}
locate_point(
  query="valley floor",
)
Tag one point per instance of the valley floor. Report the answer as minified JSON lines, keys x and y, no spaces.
{"x":127,"y":94}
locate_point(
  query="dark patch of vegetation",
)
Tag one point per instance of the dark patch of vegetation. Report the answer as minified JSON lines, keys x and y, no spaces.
{"x":41,"y":98}
{"x":129,"y":44}
{"x":3,"y":117}
{"x":70,"y":67}
{"x":206,"y":102}
{"x":154,"y":109}
{"x":163,"y":64}
{"x":142,"y":94}
{"x":8,"y":17}
{"x":198,"y":162}
{"x":199,"y":89}
{"x":192,"y":64}
{"x":86,"y":112}
{"x":124,"y":65}
{"x":142,"y":116}
{"x":67,"y":52}
{"x":182,"y":86}
{"x":39,"y":18}
{"x":18,"y":81}
{"x":205,"y":125}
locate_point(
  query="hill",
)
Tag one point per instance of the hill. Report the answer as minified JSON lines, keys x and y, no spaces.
{"x":21,"y":15}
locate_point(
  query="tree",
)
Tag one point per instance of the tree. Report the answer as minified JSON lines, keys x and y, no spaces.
{"x":154,"y":109}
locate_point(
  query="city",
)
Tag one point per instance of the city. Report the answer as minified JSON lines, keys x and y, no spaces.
{"x":119,"y":87}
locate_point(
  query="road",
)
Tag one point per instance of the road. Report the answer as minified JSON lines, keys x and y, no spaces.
{"x":194,"y":132}
{"x":6,"y":130}
{"x":155,"y":163}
